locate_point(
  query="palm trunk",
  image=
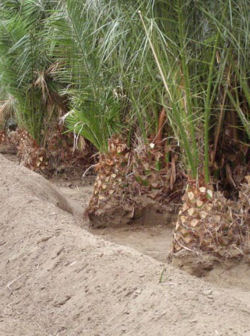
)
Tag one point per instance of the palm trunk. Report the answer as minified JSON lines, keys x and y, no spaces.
{"x":109,"y":202}
{"x":135,"y":185}
{"x":243,"y":211}
{"x":208,"y":230}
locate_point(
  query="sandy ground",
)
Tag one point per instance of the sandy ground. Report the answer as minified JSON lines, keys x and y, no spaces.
{"x":56,"y":278}
{"x":155,"y":240}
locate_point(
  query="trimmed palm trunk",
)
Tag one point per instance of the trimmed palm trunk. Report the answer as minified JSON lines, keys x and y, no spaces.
{"x":208,"y":230}
{"x":109,"y":203}
{"x":134,"y":186}
{"x":243,"y":214}
{"x":59,"y":155}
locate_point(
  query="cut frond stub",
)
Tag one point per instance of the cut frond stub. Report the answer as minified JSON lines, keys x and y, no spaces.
{"x":209,"y":229}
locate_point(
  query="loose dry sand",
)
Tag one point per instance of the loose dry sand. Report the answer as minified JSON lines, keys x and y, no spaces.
{"x":58,"y":279}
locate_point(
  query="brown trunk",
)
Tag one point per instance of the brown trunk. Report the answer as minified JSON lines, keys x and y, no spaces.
{"x":134,"y":186}
{"x":208,"y":229}
{"x":57,"y":156}
{"x":161,"y":122}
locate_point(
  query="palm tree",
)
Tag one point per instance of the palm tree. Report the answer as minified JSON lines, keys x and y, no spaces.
{"x":114,"y":88}
{"x":201,"y":51}
{"x":25,"y":66}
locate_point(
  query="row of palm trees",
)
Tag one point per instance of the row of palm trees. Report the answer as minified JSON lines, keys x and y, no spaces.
{"x":158,"y":72}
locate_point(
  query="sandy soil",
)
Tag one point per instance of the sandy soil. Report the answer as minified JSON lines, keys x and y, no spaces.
{"x":155,"y":240}
{"x":56,"y":278}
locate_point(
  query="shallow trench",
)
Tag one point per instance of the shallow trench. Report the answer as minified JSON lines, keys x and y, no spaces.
{"x":155,"y":240}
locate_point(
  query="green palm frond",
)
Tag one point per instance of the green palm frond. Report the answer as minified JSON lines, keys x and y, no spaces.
{"x":193,"y":49}
{"x":23,"y":56}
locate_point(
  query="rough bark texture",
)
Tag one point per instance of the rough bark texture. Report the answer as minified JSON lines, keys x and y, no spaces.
{"x":135,"y":185}
{"x":59,"y":154}
{"x":210,"y":228}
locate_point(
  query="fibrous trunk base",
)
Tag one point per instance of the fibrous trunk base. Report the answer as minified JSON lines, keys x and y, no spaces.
{"x":133,"y":186}
{"x":58,"y":154}
{"x":209,"y":229}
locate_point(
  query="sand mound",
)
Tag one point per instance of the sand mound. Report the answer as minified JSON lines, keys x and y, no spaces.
{"x":58,"y":279}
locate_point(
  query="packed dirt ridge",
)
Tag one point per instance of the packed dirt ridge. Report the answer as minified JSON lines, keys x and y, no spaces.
{"x":58,"y":279}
